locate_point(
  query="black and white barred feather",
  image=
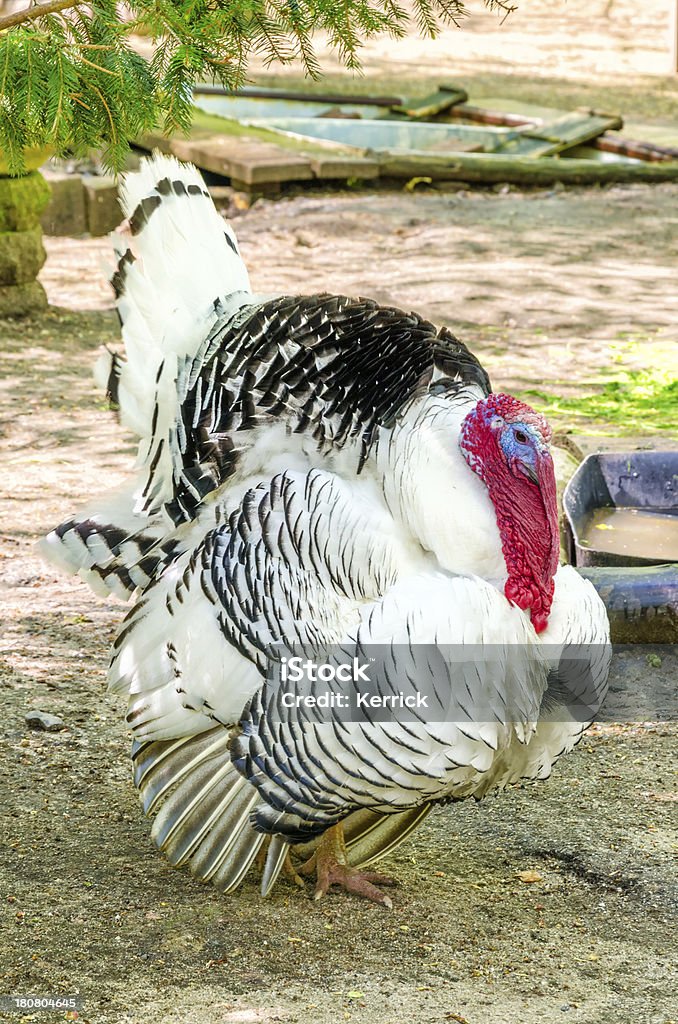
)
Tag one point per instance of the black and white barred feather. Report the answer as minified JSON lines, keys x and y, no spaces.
{"x":333,"y":369}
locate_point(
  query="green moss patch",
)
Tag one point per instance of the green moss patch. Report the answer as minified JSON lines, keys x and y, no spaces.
{"x":637,"y":402}
{"x":22,"y":200}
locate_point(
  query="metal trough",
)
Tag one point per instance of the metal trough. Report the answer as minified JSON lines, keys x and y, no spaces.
{"x":633,"y":480}
{"x":640,"y":593}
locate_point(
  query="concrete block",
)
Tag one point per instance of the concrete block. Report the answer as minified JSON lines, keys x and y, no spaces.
{"x":66,"y":212}
{"x":21,"y":256}
{"x":22,"y":200}
{"x":22,"y":299}
{"x":101,"y":200}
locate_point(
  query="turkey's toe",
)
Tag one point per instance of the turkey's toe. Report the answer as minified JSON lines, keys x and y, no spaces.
{"x":360,"y":883}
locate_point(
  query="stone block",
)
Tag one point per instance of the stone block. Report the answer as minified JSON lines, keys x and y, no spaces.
{"x":101,"y":200}
{"x":21,"y":256}
{"x":66,"y":212}
{"x":22,"y":299}
{"x":22,"y":201}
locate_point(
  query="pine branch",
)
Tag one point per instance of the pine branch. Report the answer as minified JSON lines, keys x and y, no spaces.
{"x":70,"y":79}
{"x":36,"y":11}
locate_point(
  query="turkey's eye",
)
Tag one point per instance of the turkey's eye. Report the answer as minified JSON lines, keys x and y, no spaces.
{"x":521,"y":437}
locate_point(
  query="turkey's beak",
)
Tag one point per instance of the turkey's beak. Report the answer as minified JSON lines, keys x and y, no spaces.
{"x":529,"y":472}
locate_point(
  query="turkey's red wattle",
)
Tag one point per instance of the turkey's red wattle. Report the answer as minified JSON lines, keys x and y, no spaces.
{"x":527,"y":517}
{"x":527,"y":512}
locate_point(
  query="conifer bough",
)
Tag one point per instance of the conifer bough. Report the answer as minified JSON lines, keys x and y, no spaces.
{"x":71,"y":78}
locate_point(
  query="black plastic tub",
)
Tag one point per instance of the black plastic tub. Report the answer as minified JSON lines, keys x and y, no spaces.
{"x":638,"y":480}
{"x":641,"y":601}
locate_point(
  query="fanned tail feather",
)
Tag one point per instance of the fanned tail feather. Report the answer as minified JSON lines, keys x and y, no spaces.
{"x":178,"y":271}
{"x":177,"y":264}
{"x":203,"y":812}
{"x":204,"y":805}
{"x":111,"y":547}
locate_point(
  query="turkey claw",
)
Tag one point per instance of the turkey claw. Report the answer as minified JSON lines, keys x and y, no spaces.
{"x":360,"y":883}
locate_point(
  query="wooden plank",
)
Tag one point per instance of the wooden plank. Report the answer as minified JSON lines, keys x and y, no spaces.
{"x":437,"y":103}
{"x":342,"y":167}
{"x":493,"y":168}
{"x":482,"y":115}
{"x":255,"y":92}
{"x":551,"y":137}
{"x":534,"y":112}
{"x":633,"y":148}
{"x":249,"y":160}
{"x":186,"y":149}
{"x":252,"y":162}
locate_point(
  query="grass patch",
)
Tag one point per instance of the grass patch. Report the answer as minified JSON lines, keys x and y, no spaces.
{"x":638,"y":402}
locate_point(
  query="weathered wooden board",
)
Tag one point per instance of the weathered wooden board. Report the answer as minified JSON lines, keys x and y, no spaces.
{"x":259,"y":160}
{"x":562,"y":133}
{"x":493,"y":168}
{"x":256,"y":162}
{"x":329,"y":167}
{"x":252,"y":162}
{"x":433,"y":105}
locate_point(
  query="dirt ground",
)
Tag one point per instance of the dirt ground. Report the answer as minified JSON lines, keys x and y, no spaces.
{"x":611,"y":54}
{"x":579,"y":283}
{"x":555,"y":287}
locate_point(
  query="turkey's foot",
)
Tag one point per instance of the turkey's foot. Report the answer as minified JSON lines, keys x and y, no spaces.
{"x":331,"y":867}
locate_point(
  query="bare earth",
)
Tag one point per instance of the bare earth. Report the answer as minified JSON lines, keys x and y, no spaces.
{"x":552,"y":287}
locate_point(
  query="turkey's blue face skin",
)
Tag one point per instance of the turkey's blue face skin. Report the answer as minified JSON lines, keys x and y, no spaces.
{"x":522,"y":447}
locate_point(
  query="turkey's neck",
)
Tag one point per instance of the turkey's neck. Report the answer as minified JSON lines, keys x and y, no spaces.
{"x":527,"y":518}
{"x":440,"y":503}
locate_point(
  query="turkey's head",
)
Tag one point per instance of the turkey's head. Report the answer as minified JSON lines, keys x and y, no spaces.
{"x":506,"y":443}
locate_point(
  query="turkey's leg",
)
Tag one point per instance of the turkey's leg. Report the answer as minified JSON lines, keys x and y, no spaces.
{"x":331,"y":867}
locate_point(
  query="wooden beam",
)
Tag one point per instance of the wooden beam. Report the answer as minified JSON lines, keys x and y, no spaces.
{"x":673,"y":40}
{"x":488,"y":168}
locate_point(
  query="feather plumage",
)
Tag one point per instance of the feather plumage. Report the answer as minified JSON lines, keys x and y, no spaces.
{"x":300,"y":485}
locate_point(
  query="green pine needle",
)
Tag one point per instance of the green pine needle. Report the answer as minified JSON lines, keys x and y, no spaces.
{"x":71,"y":80}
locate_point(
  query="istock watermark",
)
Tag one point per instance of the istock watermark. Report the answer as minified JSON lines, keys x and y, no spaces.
{"x":474,"y":682}
{"x":300,"y":670}
{"x":293,"y":670}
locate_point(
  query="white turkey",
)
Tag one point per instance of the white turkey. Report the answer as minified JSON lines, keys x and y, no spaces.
{"x":321,"y":475}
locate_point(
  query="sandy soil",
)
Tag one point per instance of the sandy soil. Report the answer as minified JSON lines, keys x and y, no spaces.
{"x":579,"y":282}
{"x":591,"y":38}
{"x":553,"y":286}
{"x":613,"y":54}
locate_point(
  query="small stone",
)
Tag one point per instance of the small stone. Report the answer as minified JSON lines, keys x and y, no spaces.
{"x":44,"y":721}
{"x":528,"y":877}
{"x":306,"y":239}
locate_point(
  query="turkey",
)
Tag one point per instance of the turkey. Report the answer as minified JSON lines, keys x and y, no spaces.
{"x":319,"y":477}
